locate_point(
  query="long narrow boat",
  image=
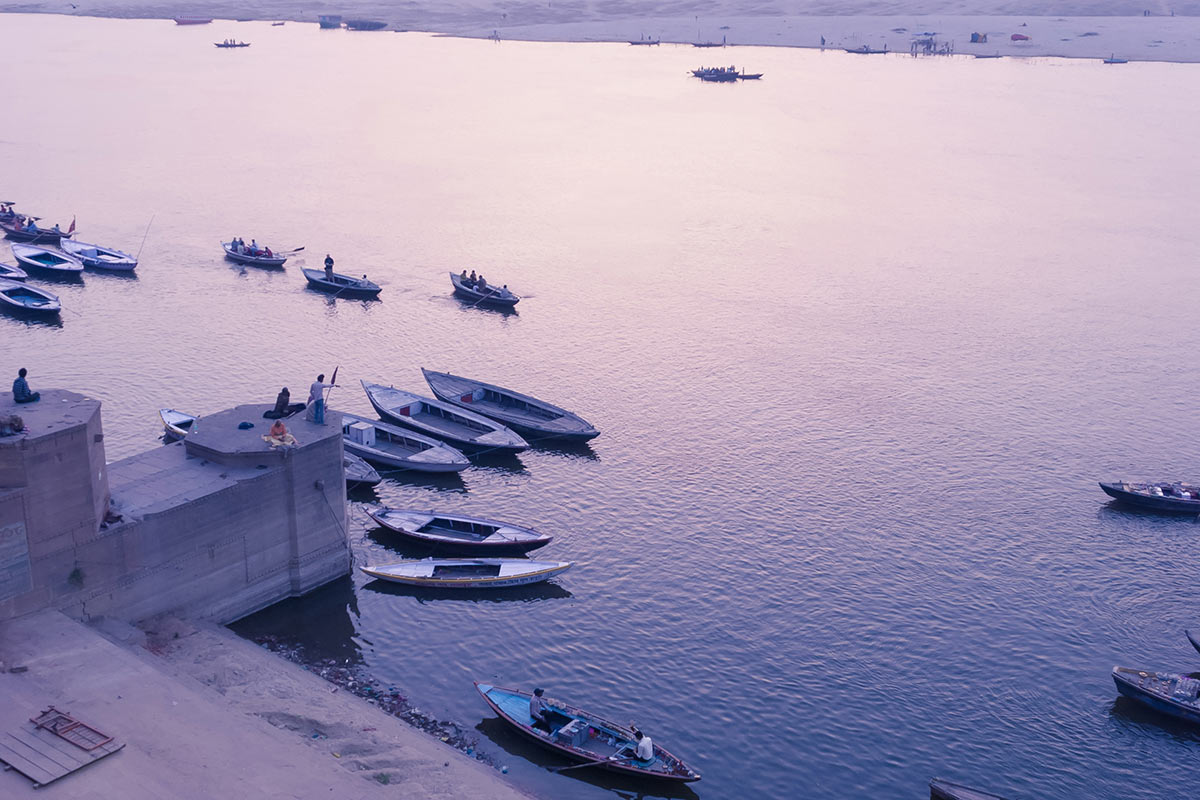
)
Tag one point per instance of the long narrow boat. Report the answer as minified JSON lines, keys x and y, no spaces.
{"x":329,"y":21}
{"x":468,"y":573}
{"x":1169,"y":693}
{"x":42,"y":259}
{"x":522,"y":413}
{"x":23,"y":298}
{"x":495,"y":296}
{"x":359,"y":472}
{"x":11,"y":272}
{"x":1175,"y":497}
{"x":341,"y":284}
{"x":256,"y":258}
{"x":176,"y":424}
{"x":192,"y":20}
{"x":365,"y":25}
{"x":397,"y":448}
{"x":51,"y":236}
{"x":97,"y":257}
{"x":583,"y":736}
{"x":458,"y":533}
{"x":463,"y":429}
{"x":945,"y":790}
{"x":231,"y":44}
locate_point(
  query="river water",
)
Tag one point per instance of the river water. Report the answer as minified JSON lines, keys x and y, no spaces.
{"x":860,"y":337}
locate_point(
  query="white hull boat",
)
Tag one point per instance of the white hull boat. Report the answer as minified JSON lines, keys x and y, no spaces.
{"x":176,"y":424}
{"x":460,"y":428}
{"x":397,"y":448}
{"x":468,"y":573}
{"x":522,"y":413}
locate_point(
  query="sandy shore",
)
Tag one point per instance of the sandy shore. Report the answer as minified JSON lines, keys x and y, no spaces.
{"x":1073,"y":29}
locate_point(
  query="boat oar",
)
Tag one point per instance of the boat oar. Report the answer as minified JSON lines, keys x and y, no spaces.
{"x":480,"y":300}
{"x":290,"y":252}
{"x":148,"y":224}
{"x":592,"y":763}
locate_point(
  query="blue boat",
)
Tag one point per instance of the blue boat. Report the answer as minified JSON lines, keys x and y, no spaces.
{"x":584,"y":737}
{"x":946,"y":790}
{"x":1180,"y":498}
{"x":1169,"y":693}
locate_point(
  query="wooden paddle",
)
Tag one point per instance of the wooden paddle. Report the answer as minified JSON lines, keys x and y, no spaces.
{"x":592,"y":763}
{"x":485,"y":297}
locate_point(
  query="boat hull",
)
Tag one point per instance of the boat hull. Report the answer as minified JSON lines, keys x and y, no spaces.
{"x":462,"y":546}
{"x":39,"y":236}
{"x":272,"y":262}
{"x":1173,"y":505}
{"x":490,"y":298}
{"x":32,"y":257}
{"x":459,"y":442}
{"x":380,"y":454}
{"x":1129,"y":682}
{"x":498,"y":582}
{"x":581,"y":432}
{"x":21,"y":299}
{"x":96,"y":257}
{"x":351,"y":287}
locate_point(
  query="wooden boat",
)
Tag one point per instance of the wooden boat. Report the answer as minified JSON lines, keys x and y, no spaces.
{"x":1114,"y":60}
{"x":279,"y":24}
{"x":35,"y":257}
{"x":255,"y":258}
{"x":176,"y":424}
{"x":35,"y":235}
{"x":330,"y":21}
{"x":750,"y":76}
{"x":1176,"y":497}
{"x":11,"y":272}
{"x":1173,"y":694}
{"x":522,"y":413}
{"x":719,"y":77}
{"x":945,"y":790}
{"x":865,"y":50}
{"x":463,"y":429}
{"x":97,"y":257}
{"x":458,"y":533}
{"x":231,"y":43}
{"x":987,"y":55}
{"x":583,"y":736}
{"x":359,"y":472}
{"x":646,"y":42}
{"x":468,"y":573}
{"x":341,"y":284}
{"x":23,"y":298}
{"x":1193,"y":640}
{"x":394,"y":447}
{"x":365,"y":25}
{"x":192,"y":20}
{"x":496,"y":296}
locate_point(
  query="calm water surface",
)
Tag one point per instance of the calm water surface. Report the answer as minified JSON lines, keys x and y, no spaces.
{"x":860,"y":337}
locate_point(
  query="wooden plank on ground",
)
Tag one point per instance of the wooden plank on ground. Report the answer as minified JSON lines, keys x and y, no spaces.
{"x":43,"y":756}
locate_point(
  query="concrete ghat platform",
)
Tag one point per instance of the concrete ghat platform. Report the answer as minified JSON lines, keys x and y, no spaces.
{"x":208,"y":715}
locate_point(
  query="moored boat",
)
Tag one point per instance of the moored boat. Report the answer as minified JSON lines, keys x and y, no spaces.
{"x":468,"y":573}
{"x":255,"y":257}
{"x":23,"y":298}
{"x":583,"y":736}
{"x":522,"y":413}
{"x":1175,"y":497}
{"x":30,"y":232}
{"x":396,"y":448}
{"x":865,"y":50}
{"x":192,"y":20}
{"x":460,"y":533}
{"x":42,"y":259}
{"x":11,"y":272}
{"x":176,"y":424}
{"x":1169,"y":693}
{"x":341,"y":284}
{"x":231,"y":43}
{"x":365,"y":25}
{"x":330,"y":21}
{"x":646,"y":42}
{"x":359,"y":472}
{"x":1114,"y":60}
{"x":497,"y":296}
{"x":461,"y":428}
{"x":97,"y":257}
{"x":946,"y":790}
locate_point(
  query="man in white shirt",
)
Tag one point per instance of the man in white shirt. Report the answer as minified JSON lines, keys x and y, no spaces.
{"x":537,"y":710}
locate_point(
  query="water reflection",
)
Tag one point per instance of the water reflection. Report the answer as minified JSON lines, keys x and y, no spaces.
{"x":1128,"y":711}
{"x":120,"y":275}
{"x":579,"y":450}
{"x":320,"y":624}
{"x":531,"y":593}
{"x":34,"y":320}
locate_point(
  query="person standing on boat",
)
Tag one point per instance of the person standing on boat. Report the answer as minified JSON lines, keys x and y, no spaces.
{"x":21,"y":393}
{"x":316,"y":399}
{"x":537,"y":709}
{"x":328,"y":267}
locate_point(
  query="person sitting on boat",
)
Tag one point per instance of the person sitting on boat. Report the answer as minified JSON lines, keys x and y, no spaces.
{"x":253,"y":247}
{"x":463,"y":276}
{"x":481,"y":284}
{"x":21,"y":393}
{"x":472,"y":279}
{"x":268,"y":252}
{"x":644,"y":751}
{"x":537,"y":710}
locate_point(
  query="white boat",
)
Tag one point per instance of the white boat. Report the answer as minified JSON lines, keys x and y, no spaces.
{"x":23,"y":298}
{"x":460,"y":533}
{"x":45,"y":259}
{"x":468,"y":573}
{"x":522,"y":413}
{"x":359,"y":472}
{"x":254,"y":258}
{"x":97,"y":257}
{"x":176,"y":424}
{"x":461,"y":428}
{"x":397,"y":448}
{"x":11,"y":272}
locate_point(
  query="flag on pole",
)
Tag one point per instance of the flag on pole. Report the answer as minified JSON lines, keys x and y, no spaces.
{"x":71,"y":229}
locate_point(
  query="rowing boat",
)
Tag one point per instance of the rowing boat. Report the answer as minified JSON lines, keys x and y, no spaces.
{"x":11,"y":272}
{"x":522,"y":413}
{"x":192,"y":20}
{"x":340,"y":284}
{"x":458,"y":533}
{"x":35,"y":257}
{"x":231,"y":44}
{"x":176,"y":424}
{"x":1177,"y":497}
{"x":365,"y":25}
{"x":945,"y":790}
{"x":583,"y":736}
{"x":463,"y":429}
{"x":21,"y":297}
{"x":30,"y":235}
{"x":97,"y":257}
{"x":394,"y":447}
{"x":1169,"y":693}
{"x":253,"y":258}
{"x":497,"y":296}
{"x":358,"y":472}
{"x":468,"y":573}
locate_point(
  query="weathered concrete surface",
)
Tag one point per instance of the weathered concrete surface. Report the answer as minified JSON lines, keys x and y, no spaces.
{"x":209,"y":715}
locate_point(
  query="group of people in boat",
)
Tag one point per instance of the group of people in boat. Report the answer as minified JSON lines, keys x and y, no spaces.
{"x":480,"y":284}
{"x":239,"y":246}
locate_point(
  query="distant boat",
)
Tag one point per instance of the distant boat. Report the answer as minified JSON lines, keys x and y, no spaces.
{"x":646,"y":42}
{"x":176,"y":424}
{"x":11,"y":272}
{"x":278,"y":24}
{"x":330,"y":21}
{"x":585,"y":737}
{"x":341,"y":284}
{"x":1179,"y":497}
{"x":23,"y":298}
{"x":254,"y":258}
{"x":724,"y":74}
{"x":231,"y":43}
{"x":985,"y":55}
{"x":32,"y":233}
{"x":468,"y":573}
{"x":1114,"y":60}
{"x":463,"y":429}
{"x":1172,"y":694}
{"x":397,"y":448}
{"x":192,"y":20}
{"x":97,"y":257}
{"x":945,"y":790}
{"x":750,"y":76}
{"x":459,"y":533}
{"x":495,"y":296}
{"x":36,"y":257}
{"x":709,"y":44}
{"x":365,"y":25}
{"x":522,"y":413}
{"x":866,"y":50}
{"x":359,"y":472}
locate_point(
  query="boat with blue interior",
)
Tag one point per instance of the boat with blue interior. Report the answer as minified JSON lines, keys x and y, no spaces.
{"x":464,"y":429}
{"x":1170,"y":693}
{"x":21,"y":298}
{"x":468,"y":573}
{"x":526,"y":415}
{"x":458,"y":532}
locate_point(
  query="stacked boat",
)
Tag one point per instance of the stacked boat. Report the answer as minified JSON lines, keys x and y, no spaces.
{"x":458,"y":427}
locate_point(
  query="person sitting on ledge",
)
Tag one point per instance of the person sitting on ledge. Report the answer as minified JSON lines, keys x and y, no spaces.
{"x":279,"y":435}
{"x":281,"y":402}
{"x":21,"y":393}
